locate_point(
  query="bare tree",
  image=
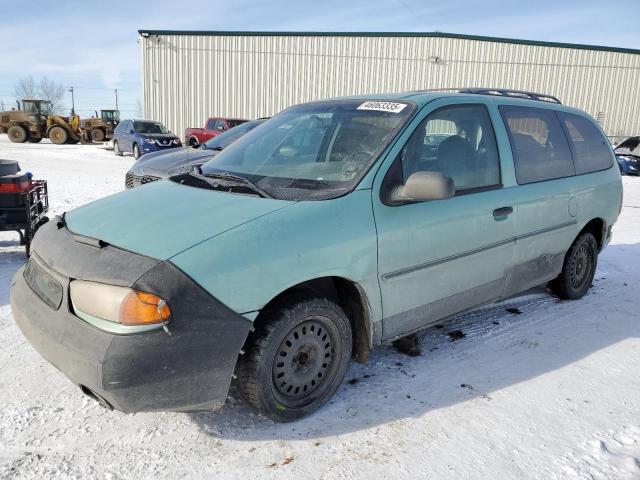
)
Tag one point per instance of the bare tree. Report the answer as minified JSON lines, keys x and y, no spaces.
{"x":25,"y":88}
{"x":52,"y":91}
{"x":2,"y":106}
{"x":45,"y":89}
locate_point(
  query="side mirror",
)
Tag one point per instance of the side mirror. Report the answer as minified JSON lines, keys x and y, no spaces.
{"x":423,"y":186}
{"x":132,"y":131}
{"x":221,"y":127}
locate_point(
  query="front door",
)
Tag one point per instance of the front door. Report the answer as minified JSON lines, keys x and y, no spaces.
{"x":441,"y":257}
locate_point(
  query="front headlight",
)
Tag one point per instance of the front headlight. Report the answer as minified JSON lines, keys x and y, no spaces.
{"x":121,"y":305}
{"x":150,"y":141}
{"x":176,"y":141}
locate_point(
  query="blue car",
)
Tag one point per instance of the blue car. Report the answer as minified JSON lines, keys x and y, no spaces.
{"x":628,"y":156}
{"x":142,"y":136}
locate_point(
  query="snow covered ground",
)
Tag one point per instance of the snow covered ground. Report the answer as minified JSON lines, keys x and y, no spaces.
{"x":551,"y":393}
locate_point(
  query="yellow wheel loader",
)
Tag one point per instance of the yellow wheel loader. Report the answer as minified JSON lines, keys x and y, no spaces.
{"x":34,"y":120}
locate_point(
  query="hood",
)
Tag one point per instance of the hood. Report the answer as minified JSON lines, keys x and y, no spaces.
{"x":164,"y":218}
{"x":158,"y":164}
{"x":158,"y":136}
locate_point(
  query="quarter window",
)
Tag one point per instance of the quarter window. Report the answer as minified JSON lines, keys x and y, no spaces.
{"x":539,"y":146}
{"x":591,"y":149}
{"x":458,"y":141}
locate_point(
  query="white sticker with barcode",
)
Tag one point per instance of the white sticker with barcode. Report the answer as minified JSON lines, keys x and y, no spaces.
{"x":392,"y":107}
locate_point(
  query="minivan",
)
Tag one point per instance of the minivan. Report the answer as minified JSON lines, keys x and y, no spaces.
{"x":331,"y":228}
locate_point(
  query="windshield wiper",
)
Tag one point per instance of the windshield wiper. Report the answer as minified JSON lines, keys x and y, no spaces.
{"x":226,"y":176}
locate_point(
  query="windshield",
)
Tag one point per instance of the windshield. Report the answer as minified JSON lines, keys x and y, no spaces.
{"x":227,"y":138}
{"x":314,"y":151}
{"x":149,"y":127}
{"x":110,"y":115}
{"x":630,"y":146}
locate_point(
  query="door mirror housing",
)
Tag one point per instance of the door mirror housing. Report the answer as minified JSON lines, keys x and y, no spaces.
{"x":424,"y":186}
{"x":221,"y":128}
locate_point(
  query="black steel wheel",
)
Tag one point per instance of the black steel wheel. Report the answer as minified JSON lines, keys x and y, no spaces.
{"x":578,"y":269}
{"x":296,"y":359}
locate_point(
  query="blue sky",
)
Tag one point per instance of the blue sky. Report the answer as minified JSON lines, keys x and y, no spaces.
{"x":93,"y":45}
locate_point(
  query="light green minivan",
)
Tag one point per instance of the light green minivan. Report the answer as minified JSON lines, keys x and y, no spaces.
{"x":335,"y":226}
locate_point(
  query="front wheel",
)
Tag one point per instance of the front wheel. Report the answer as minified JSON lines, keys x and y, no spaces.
{"x":58,"y":135}
{"x":578,"y":269}
{"x":296,"y":359}
{"x":116,"y":149}
{"x":136,"y":151}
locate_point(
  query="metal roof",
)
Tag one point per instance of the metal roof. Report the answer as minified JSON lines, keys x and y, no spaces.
{"x":478,"y":38}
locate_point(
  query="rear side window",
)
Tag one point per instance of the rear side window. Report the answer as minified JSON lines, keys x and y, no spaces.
{"x":591,"y":149}
{"x":539,"y":146}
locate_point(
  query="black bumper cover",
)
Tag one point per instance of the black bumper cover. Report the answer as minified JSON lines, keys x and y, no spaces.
{"x":190,"y":369}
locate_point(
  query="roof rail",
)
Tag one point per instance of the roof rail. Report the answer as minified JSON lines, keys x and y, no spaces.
{"x":503,"y":92}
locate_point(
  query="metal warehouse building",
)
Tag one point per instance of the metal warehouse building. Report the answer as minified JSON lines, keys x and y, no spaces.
{"x":189,"y":76}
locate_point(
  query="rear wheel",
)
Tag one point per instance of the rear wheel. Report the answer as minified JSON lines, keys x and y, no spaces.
{"x":136,"y":151}
{"x":58,"y":135}
{"x":97,"y":135}
{"x":296,"y":359}
{"x":578,"y":270}
{"x":18,"y":134}
{"x":116,"y":149}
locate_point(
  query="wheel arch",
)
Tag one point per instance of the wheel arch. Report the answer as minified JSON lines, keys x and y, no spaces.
{"x":597,"y":227}
{"x":349,"y":295}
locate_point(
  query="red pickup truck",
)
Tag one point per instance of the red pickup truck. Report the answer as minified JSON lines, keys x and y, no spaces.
{"x":213,"y":127}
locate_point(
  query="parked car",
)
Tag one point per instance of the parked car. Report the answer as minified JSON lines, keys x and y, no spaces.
{"x":142,"y":136}
{"x":164,"y":164}
{"x":213,"y":127}
{"x":330,"y":229}
{"x":628,"y":156}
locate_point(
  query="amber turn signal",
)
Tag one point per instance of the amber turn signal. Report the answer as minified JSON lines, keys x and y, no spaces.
{"x":142,"y":308}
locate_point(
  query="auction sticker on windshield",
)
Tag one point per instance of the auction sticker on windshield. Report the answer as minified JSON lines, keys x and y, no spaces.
{"x":392,"y":107}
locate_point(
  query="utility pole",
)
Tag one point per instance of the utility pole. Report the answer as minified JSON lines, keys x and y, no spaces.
{"x":73,"y":105}
{"x":116,"y":91}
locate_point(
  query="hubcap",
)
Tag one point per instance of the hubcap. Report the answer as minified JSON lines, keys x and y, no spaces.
{"x":303,"y":359}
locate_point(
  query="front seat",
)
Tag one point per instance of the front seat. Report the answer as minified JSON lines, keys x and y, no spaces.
{"x":456,"y":156}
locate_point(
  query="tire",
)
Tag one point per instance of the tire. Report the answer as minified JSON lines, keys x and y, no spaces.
{"x":18,"y":134}
{"x":578,"y":269}
{"x":97,"y":135}
{"x":58,"y":135}
{"x":193,"y":142}
{"x":116,"y":149}
{"x":35,"y":139}
{"x":136,"y":151}
{"x":305,"y":333}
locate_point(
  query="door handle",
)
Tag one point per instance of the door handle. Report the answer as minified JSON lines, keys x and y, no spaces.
{"x":501,"y":212}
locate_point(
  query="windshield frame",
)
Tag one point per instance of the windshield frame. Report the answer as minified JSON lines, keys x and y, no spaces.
{"x":322,"y":193}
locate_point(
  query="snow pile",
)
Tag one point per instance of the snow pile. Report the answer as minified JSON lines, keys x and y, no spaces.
{"x":547,"y":389}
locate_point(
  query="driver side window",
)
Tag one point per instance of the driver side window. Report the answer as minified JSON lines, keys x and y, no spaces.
{"x":457,"y":141}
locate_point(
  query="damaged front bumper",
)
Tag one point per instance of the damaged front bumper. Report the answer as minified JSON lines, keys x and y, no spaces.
{"x":190,"y":369}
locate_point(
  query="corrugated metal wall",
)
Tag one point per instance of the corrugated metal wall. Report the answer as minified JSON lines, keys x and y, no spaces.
{"x":187,"y":78}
